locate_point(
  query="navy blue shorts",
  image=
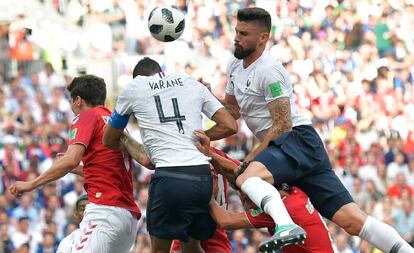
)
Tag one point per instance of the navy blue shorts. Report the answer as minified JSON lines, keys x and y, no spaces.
{"x":178,"y":204}
{"x":299,"y":159}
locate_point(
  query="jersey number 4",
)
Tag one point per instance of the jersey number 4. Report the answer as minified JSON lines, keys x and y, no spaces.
{"x":176,"y":118}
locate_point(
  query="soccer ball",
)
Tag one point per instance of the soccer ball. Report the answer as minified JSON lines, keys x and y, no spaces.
{"x":166,"y":23}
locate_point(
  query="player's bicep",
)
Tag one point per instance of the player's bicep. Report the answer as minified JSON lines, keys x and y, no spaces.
{"x":111,"y":137}
{"x":75,"y":153}
{"x":281,"y":114}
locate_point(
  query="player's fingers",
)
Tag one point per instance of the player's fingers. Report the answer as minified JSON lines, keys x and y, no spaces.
{"x":200,"y":134}
{"x":12,"y":190}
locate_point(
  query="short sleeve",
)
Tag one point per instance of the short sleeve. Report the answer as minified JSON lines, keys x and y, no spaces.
{"x":274,"y":82}
{"x":82,"y":129}
{"x":211,"y":104}
{"x":124,"y":102}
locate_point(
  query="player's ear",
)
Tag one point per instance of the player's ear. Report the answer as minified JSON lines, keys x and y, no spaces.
{"x":264,"y":37}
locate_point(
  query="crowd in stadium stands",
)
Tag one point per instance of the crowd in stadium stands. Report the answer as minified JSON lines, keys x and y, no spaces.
{"x":351,"y":63}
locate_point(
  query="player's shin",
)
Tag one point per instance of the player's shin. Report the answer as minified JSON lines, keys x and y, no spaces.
{"x":384,"y":237}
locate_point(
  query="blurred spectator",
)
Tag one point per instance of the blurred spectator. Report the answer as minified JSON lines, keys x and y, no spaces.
{"x":342,"y":243}
{"x":10,"y":157}
{"x":397,"y":166}
{"x":48,"y":245}
{"x":26,"y":209}
{"x":6,"y":245}
{"x":4,"y":52}
{"x":239,"y":241}
{"x":22,"y":234}
{"x":404,"y":220}
{"x":399,"y":186}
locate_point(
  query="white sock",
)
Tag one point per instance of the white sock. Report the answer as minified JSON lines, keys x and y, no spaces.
{"x":266,"y":196}
{"x":384,"y":237}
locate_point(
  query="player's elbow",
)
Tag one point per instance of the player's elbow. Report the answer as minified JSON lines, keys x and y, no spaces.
{"x":147,"y":163}
{"x":232,"y":127}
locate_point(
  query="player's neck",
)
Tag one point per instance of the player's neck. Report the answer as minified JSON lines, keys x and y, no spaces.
{"x":253,"y":57}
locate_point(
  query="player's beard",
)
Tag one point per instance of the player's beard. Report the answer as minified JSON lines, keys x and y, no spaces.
{"x":241,"y":53}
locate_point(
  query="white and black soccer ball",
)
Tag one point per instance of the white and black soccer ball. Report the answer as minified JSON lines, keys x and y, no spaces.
{"x":166,"y":23}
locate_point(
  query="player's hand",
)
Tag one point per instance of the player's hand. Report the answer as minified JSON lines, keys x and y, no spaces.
{"x":203,"y":143}
{"x":59,"y":156}
{"x":207,"y":84}
{"x":20,"y":187}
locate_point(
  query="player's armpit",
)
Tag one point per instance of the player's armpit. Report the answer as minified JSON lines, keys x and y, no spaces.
{"x":78,"y":170}
{"x":228,"y":220}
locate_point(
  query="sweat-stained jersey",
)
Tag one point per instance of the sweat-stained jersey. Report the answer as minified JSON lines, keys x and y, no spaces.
{"x":305,"y":215}
{"x":168,"y":110}
{"x":107,"y":173}
{"x":219,"y":242}
{"x":257,"y":85}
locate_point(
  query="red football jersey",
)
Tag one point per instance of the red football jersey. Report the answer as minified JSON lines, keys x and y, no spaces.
{"x":305,"y":215}
{"x":219,"y":242}
{"x":107,"y":173}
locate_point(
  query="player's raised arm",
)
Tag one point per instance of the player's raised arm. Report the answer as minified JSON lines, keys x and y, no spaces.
{"x":136,"y":150}
{"x":113,"y":131}
{"x":118,"y":121}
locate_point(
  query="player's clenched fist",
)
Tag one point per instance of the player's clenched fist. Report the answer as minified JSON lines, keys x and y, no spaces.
{"x":20,"y":187}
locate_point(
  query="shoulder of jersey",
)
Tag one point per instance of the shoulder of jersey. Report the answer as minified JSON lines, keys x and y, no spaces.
{"x":233,"y":60}
{"x":269,"y":61}
{"x":75,"y":119}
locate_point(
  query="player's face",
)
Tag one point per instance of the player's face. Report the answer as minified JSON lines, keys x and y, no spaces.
{"x":246,"y":39}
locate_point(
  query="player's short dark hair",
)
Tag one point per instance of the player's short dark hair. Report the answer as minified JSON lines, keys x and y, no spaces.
{"x":90,"y":88}
{"x":80,"y":199}
{"x":146,"y":67}
{"x":258,"y":15}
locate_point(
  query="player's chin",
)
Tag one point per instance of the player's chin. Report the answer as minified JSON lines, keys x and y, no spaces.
{"x":239,"y":53}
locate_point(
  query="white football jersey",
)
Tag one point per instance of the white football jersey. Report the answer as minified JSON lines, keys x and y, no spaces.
{"x":168,"y":110}
{"x":255,"y":86}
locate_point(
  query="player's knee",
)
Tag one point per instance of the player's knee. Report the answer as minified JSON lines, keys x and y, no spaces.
{"x":353,"y":223}
{"x":241,"y":179}
{"x":353,"y":227}
{"x":255,"y":169}
{"x":350,"y":218}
